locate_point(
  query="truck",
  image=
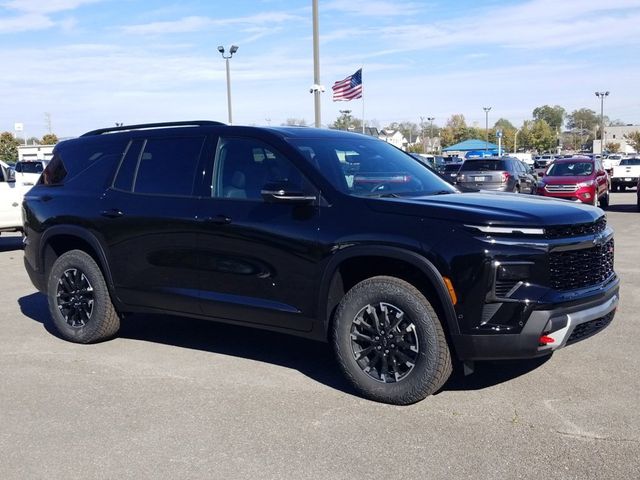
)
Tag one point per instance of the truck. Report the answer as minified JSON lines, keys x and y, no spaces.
{"x":625,"y":174}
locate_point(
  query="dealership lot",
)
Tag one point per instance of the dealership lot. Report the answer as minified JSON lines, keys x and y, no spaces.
{"x":175,"y":398}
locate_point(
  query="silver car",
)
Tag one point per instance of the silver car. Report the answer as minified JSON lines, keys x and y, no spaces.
{"x":504,"y":174}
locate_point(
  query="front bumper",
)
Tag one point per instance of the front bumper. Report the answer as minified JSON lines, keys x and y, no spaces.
{"x":566,"y":324}
{"x":584,"y":195}
{"x":625,"y":181}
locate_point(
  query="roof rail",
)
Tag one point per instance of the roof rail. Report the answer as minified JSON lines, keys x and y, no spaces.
{"x":143,"y":126}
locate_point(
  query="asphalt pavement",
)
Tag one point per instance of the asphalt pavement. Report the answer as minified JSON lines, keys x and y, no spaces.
{"x":179,"y":398}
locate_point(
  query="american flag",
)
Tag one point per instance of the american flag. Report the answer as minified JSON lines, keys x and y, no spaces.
{"x":349,"y":88}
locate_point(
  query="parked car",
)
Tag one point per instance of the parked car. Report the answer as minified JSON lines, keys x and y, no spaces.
{"x":504,"y":174}
{"x":638,"y":193}
{"x":11,"y":194}
{"x":625,"y":174}
{"x":450,"y":171}
{"x":267,"y":227}
{"x":28,"y":172}
{"x":580,"y":179}
{"x":542,"y":161}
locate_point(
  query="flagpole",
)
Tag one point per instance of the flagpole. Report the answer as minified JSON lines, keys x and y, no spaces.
{"x":362,"y":100}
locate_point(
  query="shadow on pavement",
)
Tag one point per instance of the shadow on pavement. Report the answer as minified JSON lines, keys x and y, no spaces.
{"x":311,"y":358}
{"x":9,"y":243}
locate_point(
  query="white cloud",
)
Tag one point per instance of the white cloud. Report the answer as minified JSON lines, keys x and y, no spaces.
{"x":24,"y":23}
{"x":199,"y":23}
{"x":45,"y":6}
{"x":377,"y":8}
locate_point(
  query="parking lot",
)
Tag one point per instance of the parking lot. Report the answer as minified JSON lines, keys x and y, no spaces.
{"x":181,"y":398}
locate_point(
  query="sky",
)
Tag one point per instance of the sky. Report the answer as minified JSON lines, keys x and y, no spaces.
{"x":92,"y":63}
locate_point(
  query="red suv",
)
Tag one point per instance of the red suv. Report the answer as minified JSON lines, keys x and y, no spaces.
{"x":581,"y":179}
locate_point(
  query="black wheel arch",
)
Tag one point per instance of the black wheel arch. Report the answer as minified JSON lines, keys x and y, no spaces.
{"x":59,"y":239}
{"x":332,"y":284}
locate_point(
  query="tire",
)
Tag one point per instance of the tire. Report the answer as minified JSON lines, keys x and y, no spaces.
{"x":595,"y":199}
{"x":604,"y":201}
{"x":413,"y":361}
{"x":79,"y":301}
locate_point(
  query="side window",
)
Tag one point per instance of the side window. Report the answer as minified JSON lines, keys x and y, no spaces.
{"x":127,"y":168}
{"x":243,"y":166}
{"x":166,"y":166}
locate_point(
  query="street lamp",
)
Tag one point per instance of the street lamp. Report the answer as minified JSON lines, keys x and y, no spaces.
{"x":232,"y":50}
{"x":601,"y":95}
{"x":486,"y":127}
{"x":431,"y":119}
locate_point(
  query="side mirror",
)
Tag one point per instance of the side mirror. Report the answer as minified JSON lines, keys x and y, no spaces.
{"x":541,"y":174}
{"x":284,"y":193}
{"x":12,"y":176}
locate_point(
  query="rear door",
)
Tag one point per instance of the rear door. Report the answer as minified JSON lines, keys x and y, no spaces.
{"x":149,"y":219}
{"x":10,"y":201}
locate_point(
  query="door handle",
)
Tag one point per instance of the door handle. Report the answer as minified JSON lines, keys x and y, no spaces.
{"x":112,"y":213}
{"x":219,"y":220}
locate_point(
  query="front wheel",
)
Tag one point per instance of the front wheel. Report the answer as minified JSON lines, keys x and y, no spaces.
{"x":389,"y":342}
{"x":79,"y":301}
{"x":604,"y":201}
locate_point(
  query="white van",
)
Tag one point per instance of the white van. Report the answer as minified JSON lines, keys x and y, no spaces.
{"x":11,"y":194}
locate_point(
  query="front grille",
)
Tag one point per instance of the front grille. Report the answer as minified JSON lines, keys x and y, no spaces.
{"x":581,"y":268}
{"x":564,"y":231}
{"x":561,"y":188}
{"x":587,"y":329}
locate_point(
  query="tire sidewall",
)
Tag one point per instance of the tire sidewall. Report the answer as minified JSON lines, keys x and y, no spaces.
{"x":81,"y":261}
{"x":416,"y":384}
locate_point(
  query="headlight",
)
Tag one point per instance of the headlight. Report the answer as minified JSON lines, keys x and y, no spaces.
{"x":590,"y":183}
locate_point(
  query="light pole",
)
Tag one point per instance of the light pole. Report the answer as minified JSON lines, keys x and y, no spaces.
{"x":431,"y":119}
{"x":515,"y":141}
{"x":317,"y":89}
{"x":486,"y":128}
{"x":601,"y":95}
{"x":232,"y":50}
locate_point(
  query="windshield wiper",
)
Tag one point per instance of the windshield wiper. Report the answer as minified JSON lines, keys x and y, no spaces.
{"x":383,"y":195}
{"x":442,"y":192}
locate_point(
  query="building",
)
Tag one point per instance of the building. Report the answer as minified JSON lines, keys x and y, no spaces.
{"x":32,"y":153}
{"x":394,"y":137}
{"x":615,"y":134}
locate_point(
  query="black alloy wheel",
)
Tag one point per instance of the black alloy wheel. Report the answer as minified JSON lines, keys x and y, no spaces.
{"x":79,"y":300}
{"x":75,"y":298}
{"x":384,"y":342}
{"x":389,"y":341}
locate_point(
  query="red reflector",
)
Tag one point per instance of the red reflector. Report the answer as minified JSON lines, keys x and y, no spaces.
{"x":545,"y":340}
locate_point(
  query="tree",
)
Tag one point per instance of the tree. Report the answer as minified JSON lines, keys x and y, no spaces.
{"x":8,"y":147}
{"x":543,"y":138}
{"x":583,"y":119}
{"x":633,"y":139}
{"x":508,"y":133}
{"x":612,"y":147}
{"x":347,"y":122}
{"x":454,"y":131}
{"x":553,"y":116}
{"x":49,"y":139}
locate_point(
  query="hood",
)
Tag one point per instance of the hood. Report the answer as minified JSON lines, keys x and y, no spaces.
{"x":489,"y":208}
{"x":566,"y":180}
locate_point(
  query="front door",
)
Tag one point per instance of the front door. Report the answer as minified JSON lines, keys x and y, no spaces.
{"x":258,"y":259}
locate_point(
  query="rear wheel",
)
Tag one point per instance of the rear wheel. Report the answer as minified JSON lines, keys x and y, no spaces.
{"x":79,"y":301}
{"x":389,"y":341}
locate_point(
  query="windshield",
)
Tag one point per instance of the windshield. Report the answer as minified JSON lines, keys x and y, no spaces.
{"x":570,"y":169}
{"x":368,"y":167}
{"x":483,"y":165}
{"x":29,"y":167}
{"x":630,"y":161}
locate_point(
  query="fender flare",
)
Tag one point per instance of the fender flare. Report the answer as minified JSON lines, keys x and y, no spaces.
{"x":85,"y":235}
{"x":413,"y":258}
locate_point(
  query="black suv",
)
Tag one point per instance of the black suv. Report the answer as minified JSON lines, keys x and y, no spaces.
{"x":329,"y":235}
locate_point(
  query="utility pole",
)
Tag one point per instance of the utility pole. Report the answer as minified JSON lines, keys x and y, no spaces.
{"x":47,"y":120}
